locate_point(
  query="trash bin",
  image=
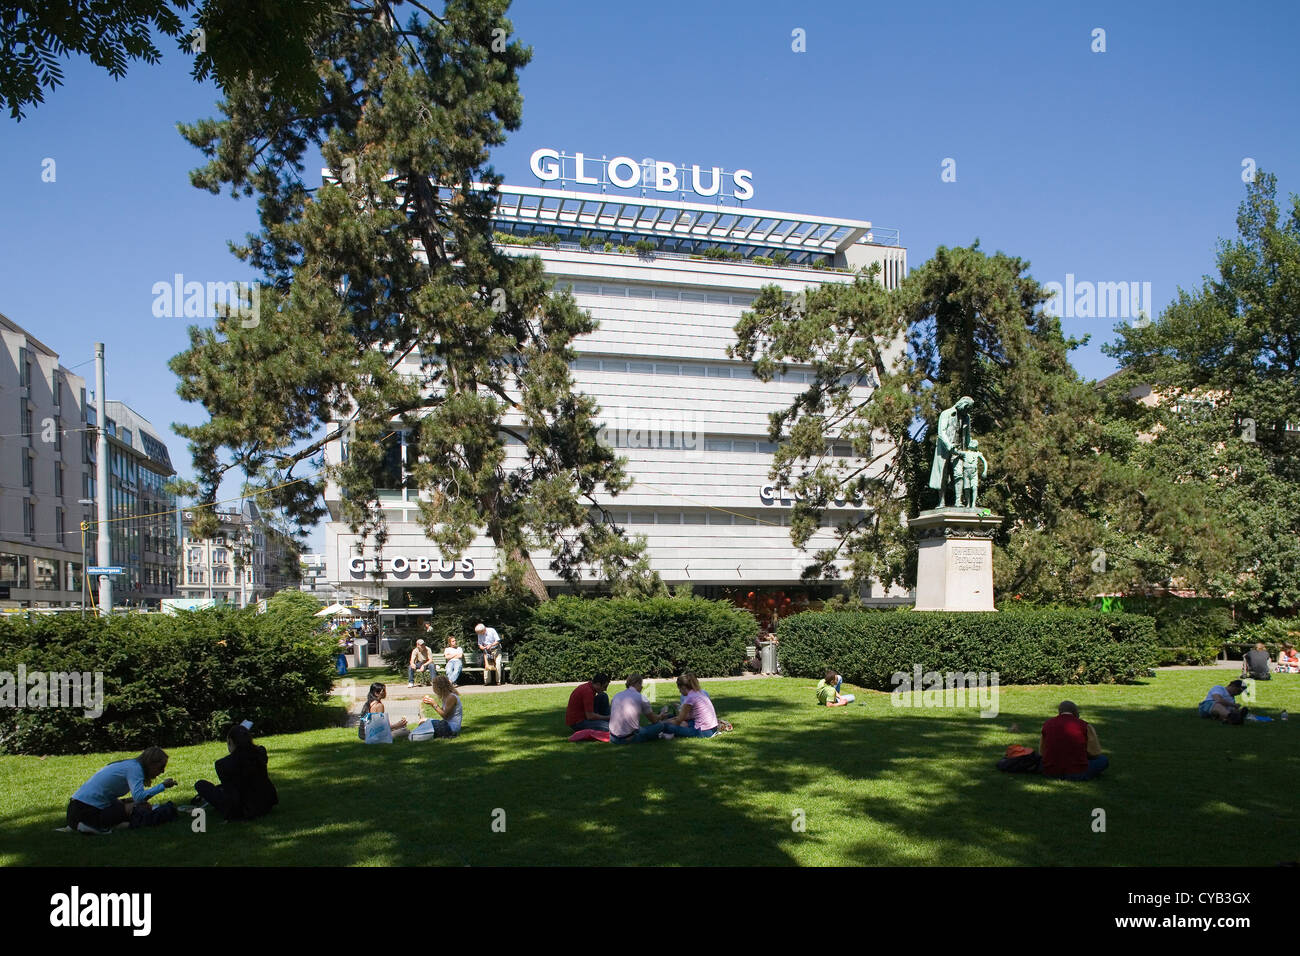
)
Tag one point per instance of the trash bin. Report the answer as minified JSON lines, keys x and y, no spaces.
{"x":768,"y":653}
{"x":362,"y":646}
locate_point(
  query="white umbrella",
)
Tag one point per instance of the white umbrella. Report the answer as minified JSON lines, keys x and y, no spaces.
{"x":335,"y":609}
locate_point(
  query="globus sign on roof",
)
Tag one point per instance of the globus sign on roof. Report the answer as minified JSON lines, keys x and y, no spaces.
{"x":624,"y":172}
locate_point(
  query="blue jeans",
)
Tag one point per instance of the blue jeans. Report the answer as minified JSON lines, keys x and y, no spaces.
{"x":1095,"y":766}
{"x":680,"y":731}
{"x":453,"y":669}
{"x":423,"y":668}
{"x":590,"y":725}
{"x":641,"y":735}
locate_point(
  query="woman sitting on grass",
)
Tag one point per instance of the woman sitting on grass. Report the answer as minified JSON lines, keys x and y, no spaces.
{"x":375,"y":705}
{"x":446,"y":702}
{"x":1288,"y":661}
{"x":245,"y":791}
{"x":98,"y":806}
{"x":696,"y":717}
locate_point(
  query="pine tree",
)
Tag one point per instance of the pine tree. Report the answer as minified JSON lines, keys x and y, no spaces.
{"x":387,"y":308}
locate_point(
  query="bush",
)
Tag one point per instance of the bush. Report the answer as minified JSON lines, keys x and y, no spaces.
{"x":168,"y":679}
{"x":1272,"y":631}
{"x":1023,"y":647}
{"x":571,"y":638}
{"x":1188,"y":630}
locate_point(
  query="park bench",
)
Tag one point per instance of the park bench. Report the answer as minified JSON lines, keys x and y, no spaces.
{"x":473,"y":662}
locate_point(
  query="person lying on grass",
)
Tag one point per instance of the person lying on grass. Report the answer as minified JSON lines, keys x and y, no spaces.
{"x":696,"y":717}
{"x":245,"y":791}
{"x":625,"y":713}
{"x":1069,"y":747}
{"x":1220,"y":704}
{"x":1288,"y":661}
{"x":375,"y":705}
{"x":98,"y":807}
{"x":446,"y":702}
{"x":828,"y":691}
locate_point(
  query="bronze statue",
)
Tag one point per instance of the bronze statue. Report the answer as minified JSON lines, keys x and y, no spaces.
{"x":952,"y":437}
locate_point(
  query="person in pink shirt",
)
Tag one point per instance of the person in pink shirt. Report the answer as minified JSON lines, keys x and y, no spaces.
{"x":696,"y":718}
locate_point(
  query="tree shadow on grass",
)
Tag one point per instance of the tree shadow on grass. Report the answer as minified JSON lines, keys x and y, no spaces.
{"x":871,"y":785}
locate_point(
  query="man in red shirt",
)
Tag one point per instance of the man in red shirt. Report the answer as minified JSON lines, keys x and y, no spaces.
{"x":1069,"y":746}
{"x":589,"y":705}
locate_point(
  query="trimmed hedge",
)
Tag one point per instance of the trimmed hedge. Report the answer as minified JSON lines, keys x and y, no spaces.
{"x":167,"y":679}
{"x":1024,"y":647}
{"x":571,"y":638}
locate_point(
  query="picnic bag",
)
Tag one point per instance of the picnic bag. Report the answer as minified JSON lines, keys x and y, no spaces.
{"x":377,"y":729}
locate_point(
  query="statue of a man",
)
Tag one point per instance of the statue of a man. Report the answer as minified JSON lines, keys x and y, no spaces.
{"x":952,"y":436}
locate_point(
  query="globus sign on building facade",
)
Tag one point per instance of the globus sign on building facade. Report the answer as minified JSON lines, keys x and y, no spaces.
{"x":624,"y":172}
{"x":401,"y":567}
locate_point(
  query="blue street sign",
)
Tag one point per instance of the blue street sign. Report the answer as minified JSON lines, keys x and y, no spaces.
{"x":106,"y":570}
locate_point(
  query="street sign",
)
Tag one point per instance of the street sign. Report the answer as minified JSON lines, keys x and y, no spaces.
{"x":106,"y":570}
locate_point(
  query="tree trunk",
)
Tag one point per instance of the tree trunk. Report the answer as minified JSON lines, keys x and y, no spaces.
{"x":532,"y":579}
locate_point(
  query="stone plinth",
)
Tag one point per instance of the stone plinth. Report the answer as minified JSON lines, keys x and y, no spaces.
{"x":954,"y":563}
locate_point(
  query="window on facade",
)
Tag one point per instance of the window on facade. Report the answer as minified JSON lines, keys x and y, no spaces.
{"x":58,"y":481}
{"x":29,"y":518}
{"x":13,"y":570}
{"x":45,"y":574}
{"x":27,"y":471}
{"x":58,"y":525}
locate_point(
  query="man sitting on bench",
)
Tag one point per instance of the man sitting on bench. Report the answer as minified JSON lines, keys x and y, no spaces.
{"x":589,"y":705}
{"x":489,"y":642}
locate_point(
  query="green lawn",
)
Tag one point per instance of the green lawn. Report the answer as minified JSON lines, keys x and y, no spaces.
{"x":876,"y":785}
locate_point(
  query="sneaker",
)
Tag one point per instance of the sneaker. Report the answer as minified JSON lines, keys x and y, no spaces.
{"x":410,"y":683}
{"x":94,"y":831}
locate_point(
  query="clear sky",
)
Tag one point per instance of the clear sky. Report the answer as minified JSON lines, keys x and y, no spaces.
{"x":1115,"y":166}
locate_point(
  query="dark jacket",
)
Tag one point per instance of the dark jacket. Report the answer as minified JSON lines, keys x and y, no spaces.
{"x":249,"y":791}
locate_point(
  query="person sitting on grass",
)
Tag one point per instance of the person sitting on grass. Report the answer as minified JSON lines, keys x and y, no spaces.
{"x":1288,"y":661}
{"x":828,"y":691}
{"x":421,"y":662}
{"x":1069,"y":747}
{"x":625,"y":713}
{"x":446,"y":702}
{"x":696,"y":717}
{"x":455,"y":659}
{"x":375,"y":705}
{"x":589,"y":705}
{"x":1257,"y":664}
{"x":98,"y":807}
{"x":1220,"y":704}
{"x":245,"y":791}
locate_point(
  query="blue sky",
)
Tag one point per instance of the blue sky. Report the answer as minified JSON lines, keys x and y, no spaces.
{"x":1122,"y":166}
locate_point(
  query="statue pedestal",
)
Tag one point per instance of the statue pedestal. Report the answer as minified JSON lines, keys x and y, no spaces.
{"x":954,"y":563}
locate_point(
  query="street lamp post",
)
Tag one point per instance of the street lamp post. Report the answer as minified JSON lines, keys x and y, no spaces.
{"x":85,"y":526}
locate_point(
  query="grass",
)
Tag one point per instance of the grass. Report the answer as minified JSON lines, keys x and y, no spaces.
{"x":875,"y":784}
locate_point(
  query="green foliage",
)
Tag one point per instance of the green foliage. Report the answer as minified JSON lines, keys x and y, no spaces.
{"x":1024,"y":647}
{"x":780,"y":258}
{"x":1273,"y":632}
{"x":1223,"y":367}
{"x":1188,"y":630}
{"x":645,"y":246}
{"x":395,"y":256}
{"x":262,"y":38}
{"x":572,"y":637}
{"x":762,"y":260}
{"x":973,"y":325}
{"x":717,"y":252}
{"x":169,"y":679}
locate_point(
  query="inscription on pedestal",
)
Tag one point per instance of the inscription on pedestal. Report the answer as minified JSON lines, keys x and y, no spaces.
{"x":967,"y":559}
